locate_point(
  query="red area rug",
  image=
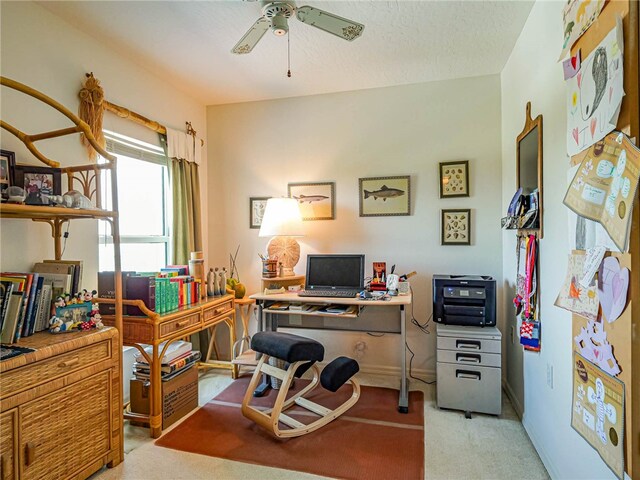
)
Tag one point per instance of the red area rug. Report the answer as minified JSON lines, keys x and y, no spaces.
{"x":369,"y":441}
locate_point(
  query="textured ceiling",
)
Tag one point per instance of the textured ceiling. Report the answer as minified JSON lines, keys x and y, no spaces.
{"x":189,"y":43}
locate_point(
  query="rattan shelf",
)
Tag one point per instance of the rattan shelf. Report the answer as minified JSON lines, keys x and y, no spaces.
{"x":37,"y":212}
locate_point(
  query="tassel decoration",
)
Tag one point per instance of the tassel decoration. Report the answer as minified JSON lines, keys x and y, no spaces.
{"x":91,"y":111}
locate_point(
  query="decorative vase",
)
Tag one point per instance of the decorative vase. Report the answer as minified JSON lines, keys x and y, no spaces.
{"x":211,"y":283}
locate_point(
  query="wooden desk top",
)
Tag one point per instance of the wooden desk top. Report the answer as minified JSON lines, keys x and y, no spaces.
{"x":293,"y":297}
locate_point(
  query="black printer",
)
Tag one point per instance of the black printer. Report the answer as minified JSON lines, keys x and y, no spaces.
{"x":464,"y":300}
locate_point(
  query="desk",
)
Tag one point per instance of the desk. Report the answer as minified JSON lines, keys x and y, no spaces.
{"x":154,"y":329}
{"x":399,"y":302}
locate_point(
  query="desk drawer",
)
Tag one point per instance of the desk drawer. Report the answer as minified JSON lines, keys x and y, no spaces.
{"x":216,"y":310}
{"x":480,"y":359}
{"x":469,"y":344}
{"x":29,"y":376}
{"x":176,"y":325}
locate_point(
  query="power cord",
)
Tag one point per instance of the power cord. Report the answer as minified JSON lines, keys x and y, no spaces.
{"x":65,"y":235}
{"x":411,"y":366}
{"x":424,"y":327}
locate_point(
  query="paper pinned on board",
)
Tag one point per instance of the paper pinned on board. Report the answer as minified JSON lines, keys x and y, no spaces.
{"x":577,"y":17}
{"x":572,"y":296}
{"x":592,"y":344}
{"x":613,"y":285}
{"x":594,"y":95}
{"x":604,"y":186}
{"x":592,"y":262}
{"x":571,"y":66}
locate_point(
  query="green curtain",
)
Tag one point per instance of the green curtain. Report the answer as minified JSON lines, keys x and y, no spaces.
{"x":187,"y":227}
{"x":186,"y":232}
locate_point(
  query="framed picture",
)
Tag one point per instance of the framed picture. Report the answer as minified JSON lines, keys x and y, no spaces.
{"x":316,"y":200}
{"x":37,"y":181}
{"x":454,"y":179}
{"x":456,"y":227}
{"x":7,"y":165}
{"x":77,"y":312}
{"x":256,"y":210}
{"x":385,"y":196}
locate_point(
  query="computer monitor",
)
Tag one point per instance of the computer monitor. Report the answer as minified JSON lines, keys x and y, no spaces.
{"x":335,"y":272}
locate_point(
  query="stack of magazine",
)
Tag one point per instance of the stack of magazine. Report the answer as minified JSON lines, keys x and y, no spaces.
{"x":178,"y":358}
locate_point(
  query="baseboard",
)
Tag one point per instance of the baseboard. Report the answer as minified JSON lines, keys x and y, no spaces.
{"x":426,"y":375}
{"x":538,"y":444}
{"x":517,"y":406}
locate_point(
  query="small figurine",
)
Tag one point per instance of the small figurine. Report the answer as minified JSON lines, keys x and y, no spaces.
{"x":216,"y":283}
{"x":222,"y":281}
{"x":59,"y":303}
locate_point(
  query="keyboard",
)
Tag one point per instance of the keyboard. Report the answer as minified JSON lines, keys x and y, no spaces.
{"x":328,"y":293}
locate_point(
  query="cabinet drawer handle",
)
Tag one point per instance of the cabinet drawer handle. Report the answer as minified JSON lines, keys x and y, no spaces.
{"x":182,"y":323}
{"x":467,"y":345}
{"x":69,"y":363}
{"x":468,"y":374}
{"x":467,"y":358}
{"x":29,"y":453}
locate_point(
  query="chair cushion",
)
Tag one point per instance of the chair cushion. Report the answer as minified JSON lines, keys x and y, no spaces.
{"x":287,"y":347}
{"x":338,"y":372}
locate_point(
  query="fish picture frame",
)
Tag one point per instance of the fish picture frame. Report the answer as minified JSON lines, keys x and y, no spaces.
{"x":316,"y":200}
{"x":385,"y":196}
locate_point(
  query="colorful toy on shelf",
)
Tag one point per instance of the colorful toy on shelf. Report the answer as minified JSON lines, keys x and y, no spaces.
{"x":76,"y":313}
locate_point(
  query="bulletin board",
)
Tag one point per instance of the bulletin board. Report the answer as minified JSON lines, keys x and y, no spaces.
{"x":626,"y":346}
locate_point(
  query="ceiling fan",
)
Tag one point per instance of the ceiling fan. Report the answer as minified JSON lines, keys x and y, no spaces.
{"x":275,"y":16}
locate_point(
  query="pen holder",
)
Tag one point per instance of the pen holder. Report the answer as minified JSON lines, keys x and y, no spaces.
{"x":269,"y":268}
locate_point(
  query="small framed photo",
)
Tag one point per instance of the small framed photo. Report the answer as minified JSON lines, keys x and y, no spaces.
{"x":316,"y":200}
{"x":454,"y":179}
{"x":257,"y":206}
{"x":37,"y":181}
{"x":385,"y":196}
{"x":77,"y":312}
{"x":456,"y":227}
{"x":7,"y":165}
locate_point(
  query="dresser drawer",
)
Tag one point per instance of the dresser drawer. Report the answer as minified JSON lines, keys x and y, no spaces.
{"x":469,"y":358}
{"x":29,"y":376}
{"x":469,"y":344}
{"x":216,"y":310}
{"x":172,"y":327}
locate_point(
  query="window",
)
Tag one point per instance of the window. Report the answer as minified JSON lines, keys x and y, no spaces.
{"x":144,"y":206}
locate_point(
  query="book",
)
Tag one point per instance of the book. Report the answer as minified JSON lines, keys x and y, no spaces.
{"x":60,"y":283}
{"x":5,"y":293}
{"x":140,"y":288}
{"x":43,"y":315}
{"x":36,"y":292}
{"x":22,"y":318}
{"x":77,"y":272}
{"x":107,"y":289}
{"x":165,"y":376}
{"x":174,"y":350}
{"x":170,"y":367}
{"x":9,"y":329}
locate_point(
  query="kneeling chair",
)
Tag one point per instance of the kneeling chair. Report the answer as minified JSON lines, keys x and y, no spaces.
{"x":300,"y":354}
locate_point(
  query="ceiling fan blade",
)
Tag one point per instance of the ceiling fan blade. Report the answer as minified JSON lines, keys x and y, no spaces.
{"x":252,"y":37}
{"x":341,"y":27}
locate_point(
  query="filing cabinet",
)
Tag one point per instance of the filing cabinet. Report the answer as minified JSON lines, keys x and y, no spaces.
{"x":469,"y":371}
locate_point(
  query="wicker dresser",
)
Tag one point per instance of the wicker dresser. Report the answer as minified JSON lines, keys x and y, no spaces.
{"x":59,"y":405}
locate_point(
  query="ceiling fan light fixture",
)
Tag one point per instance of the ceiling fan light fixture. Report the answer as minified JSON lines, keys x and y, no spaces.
{"x":279,"y":26}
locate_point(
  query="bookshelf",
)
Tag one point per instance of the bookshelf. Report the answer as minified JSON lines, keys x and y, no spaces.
{"x":87,"y":180}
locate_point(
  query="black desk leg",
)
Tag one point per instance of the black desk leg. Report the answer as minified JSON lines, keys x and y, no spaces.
{"x":265,"y":385}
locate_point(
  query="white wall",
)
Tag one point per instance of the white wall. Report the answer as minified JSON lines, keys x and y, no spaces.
{"x":257,"y":148}
{"x":532,"y":74}
{"x":50,"y":55}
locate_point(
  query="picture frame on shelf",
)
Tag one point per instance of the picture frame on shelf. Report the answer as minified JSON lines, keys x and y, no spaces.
{"x":257,"y":205}
{"x":38,"y":181}
{"x":7,"y":165}
{"x":385,"y":196}
{"x":454,"y":179}
{"x":316,"y":199}
{"x":76,"y":312}
{"x":455,"y":226}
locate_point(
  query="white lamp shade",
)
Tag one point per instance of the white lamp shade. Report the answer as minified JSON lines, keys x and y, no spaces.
{"x":282,"y":218}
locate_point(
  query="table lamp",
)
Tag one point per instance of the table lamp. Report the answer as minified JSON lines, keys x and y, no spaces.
{"x":282,"y":221}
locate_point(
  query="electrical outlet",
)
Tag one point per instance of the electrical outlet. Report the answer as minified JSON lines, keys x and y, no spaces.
{"x":550,"y":375}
